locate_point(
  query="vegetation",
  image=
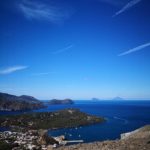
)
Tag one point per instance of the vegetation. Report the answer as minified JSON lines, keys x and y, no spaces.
{"x":5,"y":146}
{"x":50,"y":120}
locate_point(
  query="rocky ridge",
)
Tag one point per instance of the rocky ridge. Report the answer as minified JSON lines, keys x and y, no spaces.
{"x":10,"y":102}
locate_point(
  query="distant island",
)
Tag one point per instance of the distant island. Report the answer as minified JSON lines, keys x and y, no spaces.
{"x":58,"y":102}
{"x":50,"y":120}
{"x":10,"y":102}
{"x":117,"y":98}
{"x":95,"y":99}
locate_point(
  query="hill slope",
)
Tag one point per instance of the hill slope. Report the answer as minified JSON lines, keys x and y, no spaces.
{"x":10,"y":102}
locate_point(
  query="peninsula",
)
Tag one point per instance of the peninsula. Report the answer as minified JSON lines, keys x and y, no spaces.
{"x":50,"y":120}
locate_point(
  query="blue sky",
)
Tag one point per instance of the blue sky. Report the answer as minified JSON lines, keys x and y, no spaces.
{"x":75,"y":49}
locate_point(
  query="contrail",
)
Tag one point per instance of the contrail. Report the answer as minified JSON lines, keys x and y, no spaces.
{"x":127,"y":6}
{"x":42,"y":73}
{"x":63,"y":49}
{"x":135,"y":49}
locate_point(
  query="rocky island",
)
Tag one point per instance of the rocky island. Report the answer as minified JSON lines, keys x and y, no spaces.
{"x":118,"y":98}
{"x":58,"y":102}
{"x":10,"y":102}
{"x":95,"y":99}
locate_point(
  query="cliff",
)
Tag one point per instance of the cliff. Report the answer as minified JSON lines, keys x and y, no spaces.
{"x":16,"y":103}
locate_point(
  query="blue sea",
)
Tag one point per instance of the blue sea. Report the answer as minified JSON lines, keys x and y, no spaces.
{"x":121,"y":116}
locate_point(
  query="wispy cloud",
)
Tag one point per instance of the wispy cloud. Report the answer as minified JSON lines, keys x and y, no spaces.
{"x":63,"y":49}
{"x":34,"y":9}
{"x":135,"y":49}
{"x":12,"y":69}
{"x":127,"y":6}
{"x":42,"y":73}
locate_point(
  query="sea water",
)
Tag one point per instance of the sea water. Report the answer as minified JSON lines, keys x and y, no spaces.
{"x":121,"y":116}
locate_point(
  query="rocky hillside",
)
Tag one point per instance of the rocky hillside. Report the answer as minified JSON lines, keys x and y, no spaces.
{"x":58,"y":102}
{"x":136,"y":140}
{"x":15,"y":103}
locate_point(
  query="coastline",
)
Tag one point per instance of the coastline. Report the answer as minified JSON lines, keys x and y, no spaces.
{"x":61,"y":119}
{"x":138,"y":139}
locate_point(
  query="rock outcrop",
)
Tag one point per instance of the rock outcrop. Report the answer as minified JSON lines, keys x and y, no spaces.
{"x":45,"y":139}
{"x":143,"y":132}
